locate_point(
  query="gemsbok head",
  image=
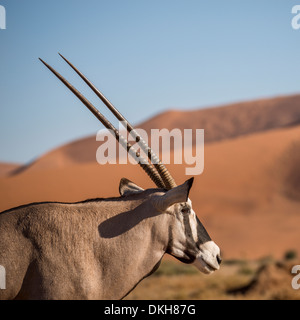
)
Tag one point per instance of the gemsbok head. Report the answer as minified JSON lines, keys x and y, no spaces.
{"x":102,"y":248}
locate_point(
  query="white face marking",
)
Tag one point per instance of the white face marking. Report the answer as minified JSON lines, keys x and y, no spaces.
{"x":193,"y":222}
{"x":186,"y":226}
{"x":207,"y":259}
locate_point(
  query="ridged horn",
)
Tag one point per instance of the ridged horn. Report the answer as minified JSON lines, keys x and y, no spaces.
{"x":147,"y":167}
{"x":153,"y":158}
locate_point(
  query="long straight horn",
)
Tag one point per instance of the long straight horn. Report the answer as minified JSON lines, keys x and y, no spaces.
{"x":148,"y":168}
{"x":160,"y":167}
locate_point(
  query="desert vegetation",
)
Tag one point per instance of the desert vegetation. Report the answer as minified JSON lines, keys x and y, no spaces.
{"x":264,"y":279}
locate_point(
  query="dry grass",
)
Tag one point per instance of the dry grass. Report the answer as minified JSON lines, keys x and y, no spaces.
{"x":263,"y":279}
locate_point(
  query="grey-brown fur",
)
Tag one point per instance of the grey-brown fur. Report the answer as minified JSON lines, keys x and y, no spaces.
{"x":97,"y":249}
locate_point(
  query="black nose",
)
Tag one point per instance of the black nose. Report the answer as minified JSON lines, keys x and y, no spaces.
{"x":219,"y":259}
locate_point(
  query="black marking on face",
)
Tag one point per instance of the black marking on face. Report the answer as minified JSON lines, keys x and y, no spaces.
{"x":191,"y":247}
{"x":202,"y":234}
{"x":187,"y":227}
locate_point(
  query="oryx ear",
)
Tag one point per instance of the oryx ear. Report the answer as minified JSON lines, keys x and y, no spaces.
{"x":175,"y":195}
{"x":127,"y":187}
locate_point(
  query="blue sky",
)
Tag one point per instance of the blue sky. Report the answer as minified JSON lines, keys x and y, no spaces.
{"x":145,"y":56}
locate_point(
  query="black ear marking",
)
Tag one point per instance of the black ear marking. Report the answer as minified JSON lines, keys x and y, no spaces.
{"x":189,"y":186}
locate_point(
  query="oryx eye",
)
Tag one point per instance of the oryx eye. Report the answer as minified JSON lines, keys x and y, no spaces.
{"x":185,"y":210}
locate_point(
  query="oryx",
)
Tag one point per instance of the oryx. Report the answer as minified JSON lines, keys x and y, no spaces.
{"x":102,"y":248}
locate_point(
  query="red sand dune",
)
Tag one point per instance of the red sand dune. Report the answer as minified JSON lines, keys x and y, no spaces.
{"x":219,"y":123}
{"x":240,"y":196}
{"x":233,"y":120}
{"x":8,"y":168}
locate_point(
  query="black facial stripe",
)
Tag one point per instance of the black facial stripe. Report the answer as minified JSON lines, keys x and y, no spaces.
{"x":190,"y":245}
{"x":187,"y":227}
{"x":202,"y":234}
